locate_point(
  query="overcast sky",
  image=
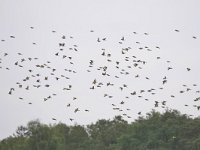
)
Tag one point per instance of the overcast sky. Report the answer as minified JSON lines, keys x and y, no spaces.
{"x":110,"y":19}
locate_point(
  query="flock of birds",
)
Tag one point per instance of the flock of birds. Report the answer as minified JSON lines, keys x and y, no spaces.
{"x":108,"y":75}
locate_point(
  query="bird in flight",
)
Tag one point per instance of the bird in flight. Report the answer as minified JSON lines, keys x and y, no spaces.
{"x":115,"y":72}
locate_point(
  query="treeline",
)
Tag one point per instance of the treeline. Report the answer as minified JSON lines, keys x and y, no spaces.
{"x":167,"y":131}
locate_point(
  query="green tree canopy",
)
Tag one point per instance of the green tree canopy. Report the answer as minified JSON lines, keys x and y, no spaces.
{"x":167,"y":131}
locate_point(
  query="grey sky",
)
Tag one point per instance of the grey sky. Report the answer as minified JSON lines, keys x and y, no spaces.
{"x":112,"y":19}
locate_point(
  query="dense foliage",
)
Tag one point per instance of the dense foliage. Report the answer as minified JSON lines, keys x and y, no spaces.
{"x":168,"y":131}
